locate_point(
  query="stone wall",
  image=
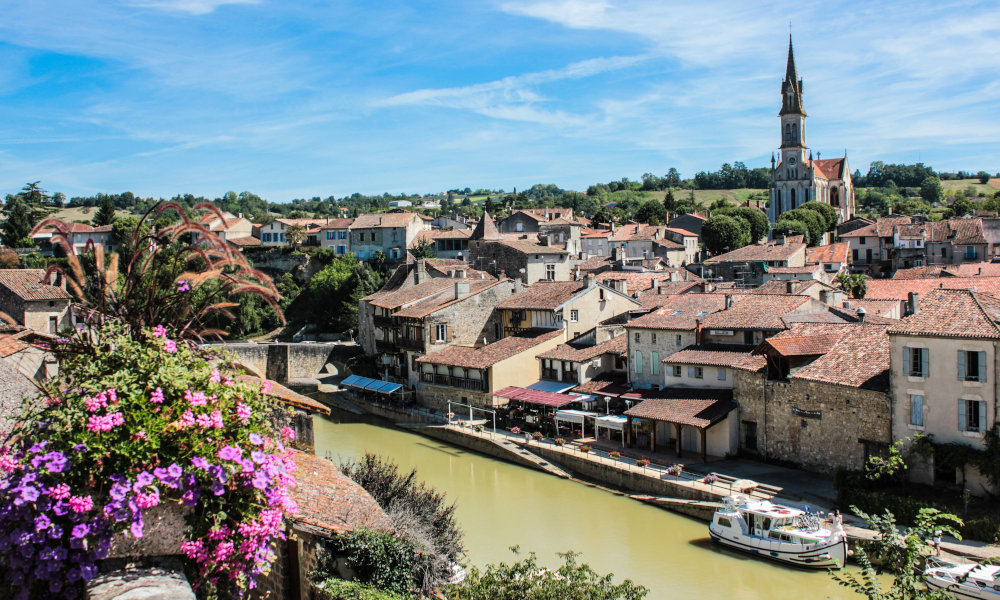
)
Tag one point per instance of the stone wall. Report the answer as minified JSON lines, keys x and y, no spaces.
{"x":161,"y":578}
{"x":278,"y":262}
{"x":817,"y":426}
{"x":282,"y":362}
{"x":471,"y":319}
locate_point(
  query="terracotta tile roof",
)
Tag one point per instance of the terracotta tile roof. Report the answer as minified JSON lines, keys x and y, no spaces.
{"x":694,"y":407}
{"x":983,"y":269}
{"x":770,"y":251}
{"x":486,"y":229}
{"x":436,"y":287}
{"x":595,"y":233}
{"x":885,"y":226}
{"x":680,"y":312}
{"x":489,"y":355}
{"x":12,"y":344}
{"x":594,"y":263}
{"x":638,"y":281}
{"x":77,"y":228}
{"x":543,"y":295}
{"x":575,"y":353}
{"x":859,"y":358}
{"x":307,"y":223}
{"x":718,"y":355}
{"x":637,"y":231}
{"x":244,"y":241}
{"x":833,"y":253}
{"x":898,"y":289}
{"x":287,"y":396}
{"x":529,"y":247}
{"x":607,"y":384}
{"x":373,"y":221}
{"x":329,"y":502}
{"x":795,"y":270}
{"x":760,"y":311}
{"x":426,"y":306}
{"x":27,"y":284}
{"x":881,"y":308}
{"x":953,"y":313}
{"x":337,"y":224}
{"x":802,"y":345}
{"x":922,"y":272}
{"x":653,"y":298}
{"x":778,"y":286}
{"x":546,"y":214}
{"x":967,"y":231}
{"x":867,"y":231}
{"x":830,"y":168}
{"x":679,"y":231}
{"x":669,"y":244}
{"x":447,"y":267}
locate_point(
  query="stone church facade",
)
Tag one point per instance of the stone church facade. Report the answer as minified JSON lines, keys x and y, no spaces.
{"x":798,"y":178}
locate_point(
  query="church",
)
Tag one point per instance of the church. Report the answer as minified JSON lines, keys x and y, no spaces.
{"x":798,"y":178}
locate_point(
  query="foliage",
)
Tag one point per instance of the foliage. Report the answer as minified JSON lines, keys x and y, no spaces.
{"x":106,"y":214}
{"x":9,"y":259}
{"x":378,"y":559}
{"x":642,"y":462}
{"x":134,"y":420}
{"x":651,"y":212}
{"x":900,"y":554}
{"x":423,"y":249}
{"x":826,"y":212}
{"x":786,"y":226}
{"x":961,"y":207}
{"x":891,"y":465}
{"x":338,"y":589}
{"x":615,"y":455}
{"x":420,"y":513}
{"x":675,"y":470}
{"x":854,"y":284}
{"x":295,"y":234}
{"x":755,"y":218}
{"x":931,"y":190}
{"x":733,"y":176}
{"x":722,"y":233}
{"x":983,"y":177}
{"x":813,"y":220}
{"x":526,"y":579}
{"x":17,"y":227}
{"x":881,"y":174}
{"x":989,"y":459}
{"x":585,"y":448}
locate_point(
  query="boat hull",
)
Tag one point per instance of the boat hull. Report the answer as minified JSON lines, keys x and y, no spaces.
{"x":959,"y":591}
{"x":826,"y":556}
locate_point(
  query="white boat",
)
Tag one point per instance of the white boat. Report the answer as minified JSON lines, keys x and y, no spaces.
{"x":779,"y":533}
{"x":963,"y":581}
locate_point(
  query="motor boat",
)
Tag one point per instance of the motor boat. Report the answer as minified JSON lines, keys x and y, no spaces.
{"x":780,"y":533}
{"x":963,"y":581}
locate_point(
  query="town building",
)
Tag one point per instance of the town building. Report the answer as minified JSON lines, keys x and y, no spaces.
{"x":797,"y":178}
{"x":447,"y":243}
{"x":36,"y":305}
{"x":390,"y":233}
{"x":686,"y":238}
{"x":688,"y":222}
{"x":580,"y":361}
{"x":229,"y":228}
{"x":274,"y":233}
{"x":747,"y":265}
{"x":336,"y":234}
{"x":528,"y":257}
{"x":79,"y":236}
{"x":530,"y":220}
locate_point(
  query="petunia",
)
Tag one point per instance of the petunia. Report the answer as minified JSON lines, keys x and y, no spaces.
{"x":159,"y":331}
{"x":170,"y":346}
{"x":256,"y":439}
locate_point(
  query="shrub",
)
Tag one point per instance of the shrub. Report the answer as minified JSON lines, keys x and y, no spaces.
{"x":615,"y":455}
{"x":710,"y":478}
{"x":985,"y":529}
{"x":378,"y":559}
{"x":585,"y":448}
{"x":675,"y":470}
{"x":642,"y":462}
{"x":478,"y":428}
{"x":135,"y":420}
{"x":338,"y":589}
{"x":560,"y":442}
{"x":537,"y":436}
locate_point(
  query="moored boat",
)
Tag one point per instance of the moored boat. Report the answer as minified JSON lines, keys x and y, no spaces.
{"x":965,"y":581}
{"x":780,"y":533}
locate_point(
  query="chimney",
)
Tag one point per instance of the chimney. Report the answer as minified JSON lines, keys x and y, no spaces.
{"x":861,"y":314}
{"x":698,"y":328}
{"x":836,"y":297}
{"x":675,"y":276}
{"x":462,"y":288}
{"x":637,"y":294}
{"x":729,"y":301}
{"x":588,"y":280}
{"x":790,"y":287}
{"x":518,"y":286}
{"x":621,"y":285}
{"x":847,"y":304}
{"x":980,"y":271}
{"x":661,"y":290}
{"x":420,"y":271}
{"x":653,"y":282}
{"x":913,"y":302}
{"x":459,"y":273}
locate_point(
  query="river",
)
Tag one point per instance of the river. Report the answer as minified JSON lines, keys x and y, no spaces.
{"x":501,"y":505}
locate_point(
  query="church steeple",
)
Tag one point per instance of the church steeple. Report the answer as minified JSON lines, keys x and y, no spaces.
{"x":791,"y":87}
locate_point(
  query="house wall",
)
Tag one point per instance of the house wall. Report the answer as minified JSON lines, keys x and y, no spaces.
{"x":273,"y":234}
{"x":38,"y":314}
{"x":518,"y":223}
{"x":596,"y":246}
{"x":710,"y":377}
{"x":592,"y":310}
{"x":331,"y":238}
{"x":666,"y":344}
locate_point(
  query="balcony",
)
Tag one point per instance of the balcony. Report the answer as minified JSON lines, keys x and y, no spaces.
{"x":406,"y":343}
{"x":464,"y":383}
{"x":550,"y":374}
{"x":383,"y":321}
{"x":386,"y":346}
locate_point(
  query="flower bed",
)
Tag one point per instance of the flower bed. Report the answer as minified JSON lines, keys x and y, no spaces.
{"x":135,"y":422}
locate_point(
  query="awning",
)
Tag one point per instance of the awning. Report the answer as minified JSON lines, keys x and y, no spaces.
{"x":573,"y":416}
{"x":616,"y":422}
{"x":536,"y":397}
{"x":371,"y":385}
{"x":556,"y":387}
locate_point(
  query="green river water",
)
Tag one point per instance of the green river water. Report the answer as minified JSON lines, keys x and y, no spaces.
{"x":501,"y":505}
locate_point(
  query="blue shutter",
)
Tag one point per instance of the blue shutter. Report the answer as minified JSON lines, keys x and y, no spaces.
{"x":691,"y":372}
{"x":925,"y":370}
{"x":982,"y":366}
{"x":654,"y":363}
{"x":982,"y":415}
{"x":907,"y":360}
{"x":638,"y":361}
{"x":961,"y":365}
{"x":961,"y":415}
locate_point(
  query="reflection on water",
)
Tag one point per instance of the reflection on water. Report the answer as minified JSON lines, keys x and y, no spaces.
{"x":502,"y":505}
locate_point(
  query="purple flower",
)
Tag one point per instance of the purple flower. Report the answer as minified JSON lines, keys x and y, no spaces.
{"x":199,"y":462}
{"x":190,"y":497}
{"x":257,"y":456}
{"x":80,"y":448}
{"x":217,"y":488}
{"x":255,"y":439}
{"x":144,"y":479}
{"x":217,"y":472}
{"x":118,"y":492}
{"x":28,"y":494}
{"x":80,"y":531}
{"x":175,"y":470}
{"x":182,"y":286}
{"x":261,"y":481}
{"x":42,"y":522}
{"x":161,"y":473}
{"x":136,"y":528}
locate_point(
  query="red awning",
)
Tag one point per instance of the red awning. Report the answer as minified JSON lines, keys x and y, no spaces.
{"x":536,"y":397}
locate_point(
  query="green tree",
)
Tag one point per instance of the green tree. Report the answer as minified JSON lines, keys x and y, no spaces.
{"x":812,"y":219}
{"x":854,"y":284}
{"x":17,"y":227}
{"x":34,"y":195}
{"x":526,"y":579}
{"x":424,"y":248}
{"x":983,"y":177}
{"x":962,"y":206}
{"x":722,"y":233}
{"x":786,"y":226}
{"x":931,"y":190}
{"x":757,"y":220}
{"x":669,"y":203}
{"x":295,"y":234}
{"x":124,"y":232}
{"x":106,"y":214}
{"x":651,"y":212}
{"x":900,"y":553}
{"x":490,"y":206}
{"x":825,"y":211}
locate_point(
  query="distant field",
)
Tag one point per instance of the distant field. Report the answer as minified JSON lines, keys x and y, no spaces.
{"x":71,"y":215}
{"x":707,"y":197}
{"x":960,"y":184}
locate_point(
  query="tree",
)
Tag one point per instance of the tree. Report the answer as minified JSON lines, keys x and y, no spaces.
{"x":900,"y":553}
{"x":490,"y":206}
{"x":825,"y":211}
{"x":786,"y":226}
{"x":983,"y":177}
{"x":651,"y":212}
{"x":722,"y":233}
{"x":528,"y":580}
{"x":669,"y":203}
{"x":757,"y":220}
{"x":424,"y":248}
{"x":856,"y":285}
{"x":295,"y":234}
{"x":17,"y":227}
{"x":961,"y":207}
{"x":931,"y":190}
{"x":813,"y":220}
{"x":34,"y":195}
{"x":106,"y":214}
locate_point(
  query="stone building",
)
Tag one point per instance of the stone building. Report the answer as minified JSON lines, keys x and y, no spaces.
{"x":336,"y":234}
{"x":576,"y":363}
{"x":528,"y":257}
{"x":746,"y":266}
{"x":822,"y":402}
{"x":39,"y":306}
{"x":447,"y":243}
{"x":391,"y":233}
{"x":798,"y":179}
{"x":530,"y":220}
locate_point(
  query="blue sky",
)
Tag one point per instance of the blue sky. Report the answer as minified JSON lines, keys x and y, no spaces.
{"x":298,"y":99}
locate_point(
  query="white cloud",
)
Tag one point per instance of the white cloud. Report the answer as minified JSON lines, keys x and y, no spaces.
{"x":194,"y":7}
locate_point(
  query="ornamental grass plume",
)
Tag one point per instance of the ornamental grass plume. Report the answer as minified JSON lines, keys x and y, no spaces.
{"x":138,"y":427}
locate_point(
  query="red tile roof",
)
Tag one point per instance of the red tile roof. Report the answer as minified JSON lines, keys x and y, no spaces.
{"x":27,"y":284}
{"x":953,"y":313}
{"x":289,"y":397}
{"x":244,"y":241}
{"x":680,"y":312}
{"x":802,"y":345}
{"x":544,"y":295}
{"x":830,"y":168}
{"x":539,"y":397}
{"x":859,"y":358}
{"x":769,"y":251}
{"x":694,"y":407}
{"x":329,"y":502}
{"x":440,"y":234}
{"x":372,"y":221}
{"x":424,"y":307}
{"x":756,"y":311}
{"x":636,"y":231}
{"x":833,"y":253}
{"x":489,"y":355}
{"x":574,"y":353}
{"x":338,"y":224}
{"x":486,"y":229}
{"x":718,"y":355}
{"x":679,"y":231}
{"x":867,"y":231}
{"x":642,"y":281}
{"x":898,"y":289}
{"x":401,"y":296}
{"x":530,"y":247}
{"x":608,"y":384}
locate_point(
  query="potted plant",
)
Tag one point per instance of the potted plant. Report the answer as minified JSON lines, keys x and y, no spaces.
{"x":537,"y":436}
{"x":560,"y":442}
{"x":675,"y":470}
{"x":711,"y":478}
{"x":479,"y":428}
{"x":585,"y":448}
{"x":642,"y":462}
{"x":449,"y":415}
{"x":615,"y":455}
{"x":515,"y":430}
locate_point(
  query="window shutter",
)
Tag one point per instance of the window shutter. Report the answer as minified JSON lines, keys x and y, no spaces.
{"x":691,"y":372}
{"x":907,"y":360}
{"x":925,"y":370}
{"x":961,"y":415}
{"x":654,"y":363}
{"x":447,"y":333}
{"x":961,"y":365}
{"x":982,"y":366}
{"x":982,"y":416}
{"x":722,"y":374}
{"x":638,"y":362}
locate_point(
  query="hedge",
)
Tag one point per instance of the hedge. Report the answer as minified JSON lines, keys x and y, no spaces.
{"x":338,"y":589}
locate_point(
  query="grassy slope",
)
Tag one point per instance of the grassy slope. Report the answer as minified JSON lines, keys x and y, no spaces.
{"x":960,"y":184}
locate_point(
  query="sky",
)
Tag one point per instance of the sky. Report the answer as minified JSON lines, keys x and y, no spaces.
{"x":295,"y":99}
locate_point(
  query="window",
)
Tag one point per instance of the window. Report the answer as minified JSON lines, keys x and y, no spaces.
{"x":53,"y":324}
{"x":723,"y":521}
{"x":722,"y":374}
{"x":637,"y":361}
{"x":679,"y":342}
{"x":441,"y":332}
{"x":266,"y":237}
{"x":574,"y":316}
{"x":970,"y":252}
{"x":861,"y":240}
{"x":916,"y":410}
{"x":971,"y":365}
{"x":855,"y":254}
{"x":282,"y":237}
{"x":519,"y":227}
{"x":971,"y":415}
{"x":329,"y":235}
{"x":653,"y":337}
{"x":654,"y":363}
{"x":696,"y":372}
{"x":361,"y":236}
{"x":677,"y":370}
{"x":341,"y":249}
{"x":637,"y":338}
{"x":944,"y":253}
{"x":916,"y":361}
{"x":550,"y":272}
{"x":750,"y":435}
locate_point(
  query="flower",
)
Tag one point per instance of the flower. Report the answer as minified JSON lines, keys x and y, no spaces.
{"x":243,"y":412}
{"x":160,"y":331}
{"x":216,"y":376}
{"x":170,"y":346}
{"x":266,"y":386}
{"x":157,"y":396}
{"x":59,"y":492}
{"x":230,"y":453}
{"x":199,"y":462}
{"x":195,"y":398}
{"x":182,"y":286}
{"x":187,"y":419}
{"x":256,"y":439}
{"x":287,"y":433}
{"x":81,"y":504}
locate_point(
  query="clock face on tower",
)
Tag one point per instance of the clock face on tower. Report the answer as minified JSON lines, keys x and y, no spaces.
{"x":791,"y":160}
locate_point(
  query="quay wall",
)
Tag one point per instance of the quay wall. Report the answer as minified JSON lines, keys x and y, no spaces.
{"x":476,"y":444}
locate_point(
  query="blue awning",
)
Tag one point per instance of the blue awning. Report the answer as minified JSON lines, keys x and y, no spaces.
{"x":556,"y":387}
{"x":371,"y":385}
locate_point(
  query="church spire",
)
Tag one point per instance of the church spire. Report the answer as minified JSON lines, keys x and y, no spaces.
{"x":791,"y":87}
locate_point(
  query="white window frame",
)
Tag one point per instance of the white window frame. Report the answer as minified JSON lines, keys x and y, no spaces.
{"x":441,"y":332}
{"x":574,"y":316}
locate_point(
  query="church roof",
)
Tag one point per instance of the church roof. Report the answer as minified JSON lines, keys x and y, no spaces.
{"x":486,"y":229}
{"x":791,"y":104}
{"x":830,"y":168}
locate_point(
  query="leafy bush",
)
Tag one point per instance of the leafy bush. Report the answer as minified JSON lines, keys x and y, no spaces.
{"x":560,"y":442}
{"x":675,"y":470}
{"x":986,"y":529}
{"x":642,"y":462}
{"x":585,"y":448}
{"x":419,"y":512}
{"x":338,"y":589}
{"x":135,"y":420}
{"x":378,"y":558}
{"x":615,"y":455}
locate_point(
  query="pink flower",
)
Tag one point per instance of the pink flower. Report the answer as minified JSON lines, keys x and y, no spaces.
{"x":7,"y":464}
{"x":182,"y":286}
{"x":96,"y":403}
{"x":140,"y":435}
{"x":216,"y":376}
{"x":217,"y":419}
{"x":229,"y":382}
{"x":288,"y":433}
{"x":59,"y":492}
{"x":81,"y":504}
{"x":187,"y":419}
{"x":147,"y":500}
{"x":160,"y":331}
{"x":266,"y":386}
{"x":98,"y":424}
{"x":243,"y":412}
{"x":195,"y":398}
{"x":157,"y":396}
{"x":170,"y":346}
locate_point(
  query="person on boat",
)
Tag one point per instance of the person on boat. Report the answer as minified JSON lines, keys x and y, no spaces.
{"x":838,"y":524}
{"x":936,"y":542}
